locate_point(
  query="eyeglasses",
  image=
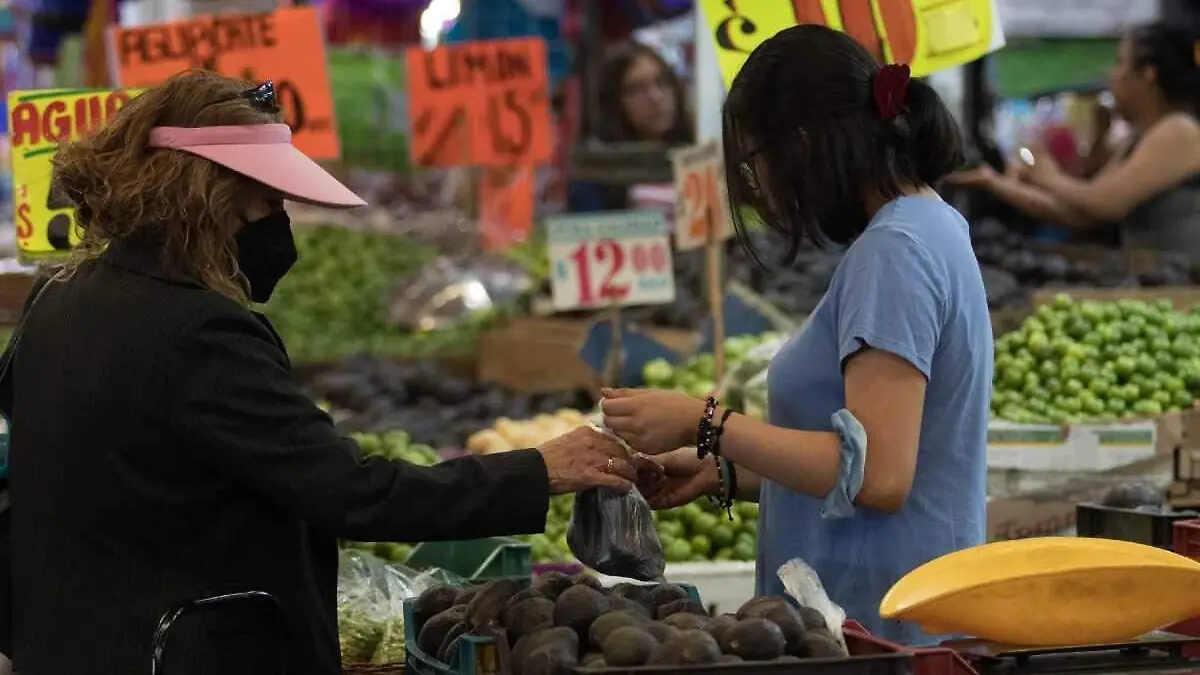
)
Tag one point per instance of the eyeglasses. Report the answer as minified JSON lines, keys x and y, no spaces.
{"x":262,"y":98}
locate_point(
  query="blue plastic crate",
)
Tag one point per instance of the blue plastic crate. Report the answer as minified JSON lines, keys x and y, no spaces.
{"x":474,"y":654}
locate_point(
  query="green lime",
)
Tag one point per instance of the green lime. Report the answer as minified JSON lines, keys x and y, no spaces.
{"x":701,"y":544}
{"x":721,"y":535}
{"x":745,"y":550}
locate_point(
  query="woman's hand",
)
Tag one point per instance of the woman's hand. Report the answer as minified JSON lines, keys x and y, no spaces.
{"x":652,"y":421}
{"x":1041,"y":169}
{"x":585,"y":458}
{"x":676,"y":478}
{"x":979,"y":177}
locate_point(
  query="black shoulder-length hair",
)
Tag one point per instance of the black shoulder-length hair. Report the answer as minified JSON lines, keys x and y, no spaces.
{"x":1174,"y":53}
{"x":614,"y":126}
{"x":804,"y":142}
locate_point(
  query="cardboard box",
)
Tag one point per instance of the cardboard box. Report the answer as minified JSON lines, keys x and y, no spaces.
{"x":536,"y":354}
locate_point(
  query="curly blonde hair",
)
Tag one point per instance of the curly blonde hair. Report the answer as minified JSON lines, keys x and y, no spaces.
{"x":121,"y":187}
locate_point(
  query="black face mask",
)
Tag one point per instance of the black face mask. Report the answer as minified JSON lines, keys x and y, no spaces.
{"x":266,"y":252}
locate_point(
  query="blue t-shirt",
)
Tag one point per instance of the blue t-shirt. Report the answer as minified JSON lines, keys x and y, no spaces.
{"x":909,"y":285}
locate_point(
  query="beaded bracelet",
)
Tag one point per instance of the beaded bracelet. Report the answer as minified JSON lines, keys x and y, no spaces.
{"x":706,"y":434}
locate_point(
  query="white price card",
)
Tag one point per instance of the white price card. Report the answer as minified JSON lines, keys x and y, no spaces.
{"x":702,"y":195}
{"x":610,"y":259}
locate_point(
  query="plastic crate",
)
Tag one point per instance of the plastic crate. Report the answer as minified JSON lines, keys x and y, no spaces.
{"x":1186,"y":539}
{"x":477,"y":559}
{"x":1142,"y":527}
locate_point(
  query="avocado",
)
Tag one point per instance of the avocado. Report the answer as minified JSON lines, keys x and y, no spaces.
{"x":628,"y":647}
{"x":517,"y":599}
{"x":635,"y":592}
{"x":529,"y":615}
{"x":686,"y":621}
{"x":466,"y":595}
{"x":688,"y":606}
{"x":823,"y":646}
{"x":488,"y":604}
{"x":695,"y":647}
{"x":607,"y":623}
{"x":445,"y":652}
{"x":788,"y":619}
{"x":432,"y":601}
{"x":434,"y":631}
{"x":719,"y":624}
{"x":727,"y":659}
{"x":588,"y":580}
{"x":754,"y":640}
{"x":661,"y":631}
{"x":577,"y":607}
{"x":551,"y":584}
{"x":747,"y":610}
{"x":617,"y":603}
{"x":551,"y":659}
{"x":812,"y":618}
{"x":661,"y":594}
{"x":593,"y":660}
{"x":531,"y":642}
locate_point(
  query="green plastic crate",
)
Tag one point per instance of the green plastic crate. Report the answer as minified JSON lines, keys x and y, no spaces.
{"x":478,"y":559}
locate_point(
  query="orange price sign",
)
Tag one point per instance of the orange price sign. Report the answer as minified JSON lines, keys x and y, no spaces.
{"x":506,"y":197}
{"x":480,"y":103}
{"x":286,"y":46}
{"x":703,"y":199}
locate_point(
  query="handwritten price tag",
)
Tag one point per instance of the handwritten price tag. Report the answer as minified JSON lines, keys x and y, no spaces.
{"x":610,"y":259}
{"x":286,"y":45}
{"x":39,"y":121}
{"x":703,"y":198}
{"x":480,"y":103}
{"x":929,"y":35}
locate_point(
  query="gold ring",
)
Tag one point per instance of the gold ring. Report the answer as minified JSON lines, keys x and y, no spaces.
{"x":610,"y":465}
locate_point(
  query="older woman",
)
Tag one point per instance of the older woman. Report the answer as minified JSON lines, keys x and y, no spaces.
{"x":161,"y":451}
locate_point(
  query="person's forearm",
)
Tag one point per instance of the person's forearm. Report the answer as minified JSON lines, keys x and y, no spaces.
{"x":1080,"y":196}
{"x":1037,"y":203}
{"x":748,"y":484}
{"x":803,"y":461}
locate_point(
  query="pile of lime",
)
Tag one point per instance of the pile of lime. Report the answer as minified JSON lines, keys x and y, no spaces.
{"x":1073,"y":362}
{"x":701,"y":531}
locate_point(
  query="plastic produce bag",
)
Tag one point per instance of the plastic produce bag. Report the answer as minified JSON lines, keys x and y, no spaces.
{"x":802,"y":583}
{"x":614,"y":533}
{"x":370,"y":606}
{"x":745,"y":385}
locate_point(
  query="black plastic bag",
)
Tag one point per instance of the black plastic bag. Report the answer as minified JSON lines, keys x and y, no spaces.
{"x":613,"y":533}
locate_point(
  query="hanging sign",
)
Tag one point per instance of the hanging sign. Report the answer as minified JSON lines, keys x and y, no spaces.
{"x":610,"y":260}
{"x":285,"y":46}
{"x":39,"y":121}
{"x":703,"y":198}
{"x":480,"y":103}
{"x":506,"y":197}
{"x":928,"y":35}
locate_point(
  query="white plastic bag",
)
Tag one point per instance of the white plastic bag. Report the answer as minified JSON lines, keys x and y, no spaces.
{"x":802,"y":583}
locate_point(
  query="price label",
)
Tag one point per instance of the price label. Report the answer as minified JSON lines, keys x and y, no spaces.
{"x":39,"y":121}
{"x":703,"y":197}
{"x":610,"y":259}
{"x":286,"y":46}
{"x":929,"y":35}
{"x":480,"y":103}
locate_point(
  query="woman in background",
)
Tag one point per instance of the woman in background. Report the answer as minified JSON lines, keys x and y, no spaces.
{"x":1151,"y":188}
{"x":641,"y":100}
{"x":873,"y":460}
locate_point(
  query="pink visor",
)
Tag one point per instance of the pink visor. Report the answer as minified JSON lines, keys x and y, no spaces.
{"x":263,"y":152}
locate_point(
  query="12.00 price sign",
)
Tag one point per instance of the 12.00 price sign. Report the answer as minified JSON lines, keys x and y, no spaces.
{"x":610,"y":259}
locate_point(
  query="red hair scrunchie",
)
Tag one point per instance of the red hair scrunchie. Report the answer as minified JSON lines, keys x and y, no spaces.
{"x":889,"y":89}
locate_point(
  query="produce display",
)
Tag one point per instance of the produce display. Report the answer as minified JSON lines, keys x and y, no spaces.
{"x":562,"y":622}
{"x":1077,"y":361}
{"x":435,"y":407}
{"x":334,"y":301}
{"x":746,"y":357}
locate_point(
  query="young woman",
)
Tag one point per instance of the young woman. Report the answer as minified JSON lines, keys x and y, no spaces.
{"x":161,"y":451}
{"x":1151,"y":188}
{"x":873,"y":459}
{"x":641,"y":100}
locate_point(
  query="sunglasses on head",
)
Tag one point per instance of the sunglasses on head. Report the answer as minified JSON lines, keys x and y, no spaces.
{"x":262,"y":98}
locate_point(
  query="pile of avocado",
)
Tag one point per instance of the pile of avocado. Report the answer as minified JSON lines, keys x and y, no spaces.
{"x":566,"y":621}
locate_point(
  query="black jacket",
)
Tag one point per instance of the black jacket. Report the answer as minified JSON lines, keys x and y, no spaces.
{"x":161,"y":452}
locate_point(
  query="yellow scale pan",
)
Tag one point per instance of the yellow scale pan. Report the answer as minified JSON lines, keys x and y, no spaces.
{"x":1049,"y":591}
